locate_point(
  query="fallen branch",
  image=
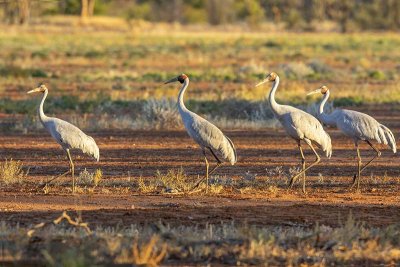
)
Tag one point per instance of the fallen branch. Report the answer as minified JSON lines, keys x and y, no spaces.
{"x":63,"y":216}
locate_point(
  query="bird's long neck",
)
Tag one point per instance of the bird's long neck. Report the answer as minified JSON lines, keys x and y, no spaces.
{"x":328,"y":119}
{"x":276,"y":108}
{"x":41,"y":114}
{"x":181,"y":105}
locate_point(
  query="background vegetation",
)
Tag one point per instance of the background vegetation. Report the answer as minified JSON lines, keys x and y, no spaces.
{"x":106,"y":60}
{"x":299,"y":15}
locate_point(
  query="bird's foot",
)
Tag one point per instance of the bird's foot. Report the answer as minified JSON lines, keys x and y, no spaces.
{"x":44,"y":184}
{"x":291,"y":183}
{"x":354,"y":182}
{"x":197,"y":184}
{"x":304,"y":191}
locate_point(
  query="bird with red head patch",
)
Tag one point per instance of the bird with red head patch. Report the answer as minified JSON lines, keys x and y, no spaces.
{"x":357,"y":125}
{"x":204,"y":133}
{"x":299,"y":125}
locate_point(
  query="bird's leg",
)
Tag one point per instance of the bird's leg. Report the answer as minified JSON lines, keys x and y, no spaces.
{"x":58,"y":176}
{"x":357,"y":176}
{"x":378,"y":154}
{"x":207,"y":166}
{"x":207,"y":173}
{"x":71,"y":164}
{"x":219,"y":162}
{"x":303,"y":162}
{"x":317,"y":159}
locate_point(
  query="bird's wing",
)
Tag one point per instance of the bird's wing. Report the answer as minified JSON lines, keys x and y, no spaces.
{"x":364,"y":127}
{"x":70,"y":136}
{"x":357,"y":125}
{"x":208,"y":135}
{"x":306,"y":126}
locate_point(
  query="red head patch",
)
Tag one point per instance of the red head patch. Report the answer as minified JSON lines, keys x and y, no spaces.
{"x":182,"y":77}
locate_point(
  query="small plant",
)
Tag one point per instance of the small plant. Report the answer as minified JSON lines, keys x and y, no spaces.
{"x":296,"y":70}
{"x":90,"y":178}
{"x":11,"y":172}
{"x":175,"y":181}
{"x":162,"y":114}
{"x":148,"y":255}
{"x":146,"y":187}
{"x":97,"y":178}
{"x":248,"y":180}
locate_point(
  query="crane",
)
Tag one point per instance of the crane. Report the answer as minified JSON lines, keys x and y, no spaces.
{"x":301,"y":126}
{"x":357,"y":125}
{"x":206,"y":134}
{"x":66,"y":134}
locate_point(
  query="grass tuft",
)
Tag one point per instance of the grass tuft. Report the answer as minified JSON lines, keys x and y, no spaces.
{"x":175,"y":181}
{"x":11,"y":172}
{"x":146,"y":186}
{"x":147,"y":255}
{"x":90,"y":178}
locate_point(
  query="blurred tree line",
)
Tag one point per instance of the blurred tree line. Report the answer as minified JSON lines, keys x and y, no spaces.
{"x":302,"y":15}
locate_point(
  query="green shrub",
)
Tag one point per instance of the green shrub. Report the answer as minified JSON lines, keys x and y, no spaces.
{"x":377,"y":75}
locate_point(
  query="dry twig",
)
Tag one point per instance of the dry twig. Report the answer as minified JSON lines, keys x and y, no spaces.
{"x":77,"y":222}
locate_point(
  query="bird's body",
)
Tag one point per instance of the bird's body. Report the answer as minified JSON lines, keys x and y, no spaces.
{"x":66,"y":134}
{"x":358,"y":126}
{"x":207,"y":135}
{"x":71,"y":137}
{"x":299,"y":125}
{"x":302,"y":126}
{"x":204,"y":133}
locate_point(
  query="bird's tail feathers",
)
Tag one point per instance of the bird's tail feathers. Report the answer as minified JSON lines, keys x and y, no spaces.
{"x":91,"y":148}
{"x":328,"y":147}
{"x":386,"y":137}
{"x":325,"y":144}
{"x":233,"y":159}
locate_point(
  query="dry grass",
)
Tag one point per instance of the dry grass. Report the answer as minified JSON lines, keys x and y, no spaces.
{"x":175,"y":181}
{"x":11,"y":172}
{"x":148,"y":255}
{"x":146,"y":186}
{"x":352,"y":243}
{"x":87,"y":178}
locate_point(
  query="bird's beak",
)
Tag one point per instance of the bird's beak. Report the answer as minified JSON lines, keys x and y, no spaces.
{"x":172,"y":80}
{"x":262,"y":82}
{"x":38,"y":89}
{"x":315,"y":91}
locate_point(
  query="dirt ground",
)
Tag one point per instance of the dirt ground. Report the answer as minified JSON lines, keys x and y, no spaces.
{"x":131,"y":154}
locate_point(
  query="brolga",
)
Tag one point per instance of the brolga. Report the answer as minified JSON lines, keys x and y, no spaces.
{"x":206,"y":134}
{"x":301,"y":126}
{"x":357,"y":125}
{"x":66,"y":134}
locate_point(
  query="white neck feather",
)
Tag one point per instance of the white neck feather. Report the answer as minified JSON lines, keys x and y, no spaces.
{"x":41,"y":114}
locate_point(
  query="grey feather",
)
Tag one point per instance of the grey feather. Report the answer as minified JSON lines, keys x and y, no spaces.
{"x":298,"y":124}
{"x":207,"y":135}
{"x":66,"y":134}
{"x":361,"y":126}
{"x":71,"y":137}
{"x":303,"y":126}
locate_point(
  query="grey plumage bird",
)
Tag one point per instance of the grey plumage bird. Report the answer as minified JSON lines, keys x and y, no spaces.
{"x":299,"y":125}
{"x":357,"y":125}
{"x":66,"y":134}
{"x":206,"y":134}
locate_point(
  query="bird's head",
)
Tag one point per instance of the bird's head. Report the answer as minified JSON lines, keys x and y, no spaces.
{"x":181,"y":78}
{"x":271,"y":77}
{"x":323,"y":90}
{"x":41,"y":88}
